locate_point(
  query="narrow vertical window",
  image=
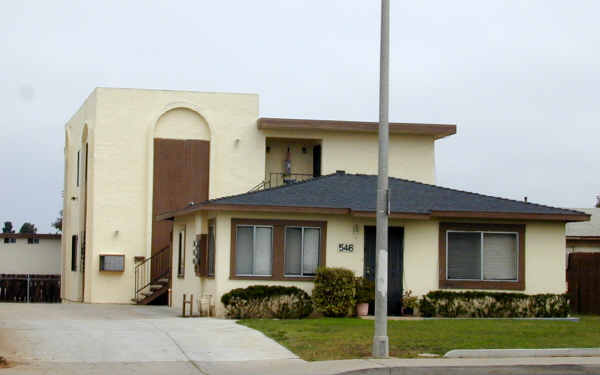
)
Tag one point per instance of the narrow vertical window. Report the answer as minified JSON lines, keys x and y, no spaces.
{"x":78,"y":155}
{"x":181,"y":254}
{"x":74,"y":253}
{"x":211,"y":250}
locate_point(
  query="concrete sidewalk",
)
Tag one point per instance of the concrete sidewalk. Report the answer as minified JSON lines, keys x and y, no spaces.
{"x":538,"y":366}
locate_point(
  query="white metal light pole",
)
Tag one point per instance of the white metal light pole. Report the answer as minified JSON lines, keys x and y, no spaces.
{"x":380,"y":339}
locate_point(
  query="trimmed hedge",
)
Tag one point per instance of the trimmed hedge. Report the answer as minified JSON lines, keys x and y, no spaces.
{"x":267,"y":301}
{"x":493,"y":305}
{"x":334,"y":293}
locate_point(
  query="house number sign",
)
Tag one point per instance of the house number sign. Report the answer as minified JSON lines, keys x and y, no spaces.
{"x":346,"y":247}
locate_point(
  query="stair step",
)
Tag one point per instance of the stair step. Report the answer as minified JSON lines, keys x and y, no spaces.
{"x":147,"y":294}
{"x":156,"y":287}
{"x":162,"y":281}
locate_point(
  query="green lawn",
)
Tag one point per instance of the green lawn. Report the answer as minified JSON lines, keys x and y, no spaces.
{"x":344,"y":338}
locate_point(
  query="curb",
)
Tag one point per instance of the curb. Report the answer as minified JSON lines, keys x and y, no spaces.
{"x":522,"y":353}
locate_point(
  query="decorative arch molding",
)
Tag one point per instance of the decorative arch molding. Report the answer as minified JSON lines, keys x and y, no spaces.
{"x":202,"y":113}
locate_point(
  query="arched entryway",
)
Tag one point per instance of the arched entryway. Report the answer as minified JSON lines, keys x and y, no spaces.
{"x":181,"y":172}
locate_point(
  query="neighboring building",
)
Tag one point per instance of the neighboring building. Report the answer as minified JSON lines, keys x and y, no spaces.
{"x":584,"y":237}
{"x":146,"y":173}
{"x":35,"y":254}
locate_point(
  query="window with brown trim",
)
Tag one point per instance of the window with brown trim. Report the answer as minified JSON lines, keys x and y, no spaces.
{"x":482,"y":256}
{"x":276,"y":249}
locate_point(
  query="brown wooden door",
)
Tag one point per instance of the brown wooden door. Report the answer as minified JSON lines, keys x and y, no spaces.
{"x":181,"y":173}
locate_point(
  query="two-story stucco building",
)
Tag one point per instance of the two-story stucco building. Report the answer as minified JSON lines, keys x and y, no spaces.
{"x":196,"y":193}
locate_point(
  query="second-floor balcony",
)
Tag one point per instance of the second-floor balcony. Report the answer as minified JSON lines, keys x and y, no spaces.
{"x":290,"y":161}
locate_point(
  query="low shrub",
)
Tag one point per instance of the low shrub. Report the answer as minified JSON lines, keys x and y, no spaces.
{"x":334,"y":292}
{"x":267,"y":301}
{"x":493,"y":305}
{"x":409,"y":301}
{"x":365,"y":290}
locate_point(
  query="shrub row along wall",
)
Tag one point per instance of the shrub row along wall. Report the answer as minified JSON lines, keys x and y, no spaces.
{"x":493,"y":305}
{"x":267,"y":301}
{"x":30,"y":288}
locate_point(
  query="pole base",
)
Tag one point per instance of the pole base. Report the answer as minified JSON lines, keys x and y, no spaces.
{"x":381,"y":347}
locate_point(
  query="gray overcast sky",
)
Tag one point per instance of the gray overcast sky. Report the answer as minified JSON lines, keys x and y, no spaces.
{"x":520,"y":78}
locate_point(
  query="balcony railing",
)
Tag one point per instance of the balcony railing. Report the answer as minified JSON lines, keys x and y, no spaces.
{"x":279,"y":178}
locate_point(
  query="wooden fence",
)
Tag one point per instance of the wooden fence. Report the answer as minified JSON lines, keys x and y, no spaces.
{"x":30,"y":288}
{"x":583,"y":279}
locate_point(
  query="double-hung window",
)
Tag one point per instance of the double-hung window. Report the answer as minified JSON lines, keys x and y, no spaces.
{"x":482,"y":256}
{"x":254,"y":250}
{"x":302,"y":249}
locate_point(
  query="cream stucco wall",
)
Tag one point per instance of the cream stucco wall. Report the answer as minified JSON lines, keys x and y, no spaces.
{"x":78,"y":129}
{"x":122,"y":124}
{"x":545,"y":261}
{"x":410,"y":156}
{"x":544,"y":249}
{"x":21,"y":257}
{"x":189,"y":283}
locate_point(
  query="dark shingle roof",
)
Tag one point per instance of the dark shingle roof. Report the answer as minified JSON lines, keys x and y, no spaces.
{"x":357,"y":193}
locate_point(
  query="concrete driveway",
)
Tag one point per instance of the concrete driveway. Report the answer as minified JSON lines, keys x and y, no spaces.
{"x":72,"y":336}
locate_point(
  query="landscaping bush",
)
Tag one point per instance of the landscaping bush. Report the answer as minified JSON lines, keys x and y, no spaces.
{"x":493,"y":305}
{"x":334,"y":292}
{"x":266,"y":301}
{"x":365,"y":290}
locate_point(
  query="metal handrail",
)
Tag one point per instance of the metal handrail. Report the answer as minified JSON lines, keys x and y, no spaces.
{"x":281,"y":178}
{"x":158,"y":264}
{"x":260,"y":186}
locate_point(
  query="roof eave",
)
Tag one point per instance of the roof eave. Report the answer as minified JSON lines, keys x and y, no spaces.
{"x":511,"y":216}
{"x":254,"y":208}
{"x":370,"y":214}
{"x":437,"y":131}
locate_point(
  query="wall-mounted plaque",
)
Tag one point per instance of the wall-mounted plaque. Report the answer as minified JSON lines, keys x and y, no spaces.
{"x":112,"y":263}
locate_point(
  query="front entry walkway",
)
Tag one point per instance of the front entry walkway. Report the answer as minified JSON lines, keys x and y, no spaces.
{"x":66,"y":334}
